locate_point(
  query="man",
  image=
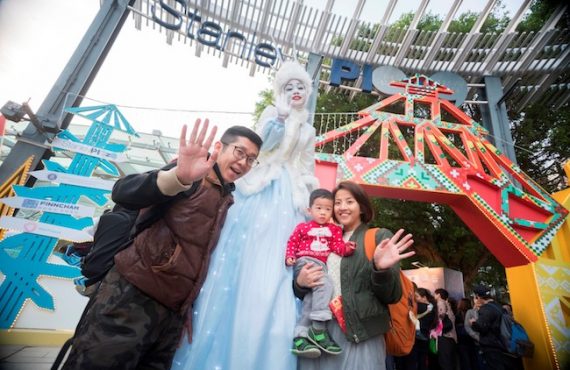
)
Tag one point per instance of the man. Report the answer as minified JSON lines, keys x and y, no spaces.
{"x":488,"y":325}
{"x":140,"y":309}
{"x":447,"y":342}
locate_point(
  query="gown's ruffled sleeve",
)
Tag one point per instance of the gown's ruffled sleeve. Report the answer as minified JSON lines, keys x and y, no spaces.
{"x":272,"y":134}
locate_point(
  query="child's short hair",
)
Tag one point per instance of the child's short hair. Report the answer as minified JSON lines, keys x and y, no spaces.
{"x":320,"y":193}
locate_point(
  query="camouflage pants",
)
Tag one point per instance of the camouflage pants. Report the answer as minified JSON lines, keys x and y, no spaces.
{"x":125,"y":329}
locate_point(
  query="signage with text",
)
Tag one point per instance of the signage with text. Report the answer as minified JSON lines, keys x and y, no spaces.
{"x":210,"y":33}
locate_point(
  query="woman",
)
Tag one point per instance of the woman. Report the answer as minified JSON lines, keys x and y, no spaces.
{"x":447,"y":341}
{"x":245,"y":313}
{"x":427,"y":320}
{"x":471,"y":316}
{"x":366,"y":286}
{"x":465,"y":344}
{"x":427,"y":316}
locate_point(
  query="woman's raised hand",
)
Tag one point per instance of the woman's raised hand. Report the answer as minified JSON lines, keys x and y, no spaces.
{"x":283,"y":107}
{"x":391,"y":251}
{"x":193,"y":162}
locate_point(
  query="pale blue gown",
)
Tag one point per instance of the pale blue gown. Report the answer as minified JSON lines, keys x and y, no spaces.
{"x":246,"y":312}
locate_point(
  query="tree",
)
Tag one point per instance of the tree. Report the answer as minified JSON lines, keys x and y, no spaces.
{"x":496,"y":22}
{"x":542,"y":144}
{"x":266,"y":99}
{"x":441,"y":239}
{"x":541,"y":10}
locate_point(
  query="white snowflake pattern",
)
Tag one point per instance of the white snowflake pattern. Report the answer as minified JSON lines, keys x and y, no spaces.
{"x":466,"y":186}
{"x":454,"y":173}
{"x":358,"y":167}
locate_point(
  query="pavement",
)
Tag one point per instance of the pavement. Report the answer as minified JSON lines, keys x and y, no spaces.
{"x":15,"y":357}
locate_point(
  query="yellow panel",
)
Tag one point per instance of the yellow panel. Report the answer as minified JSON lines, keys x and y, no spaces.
{"x":529,"y":310}
{"x":24,"y":337}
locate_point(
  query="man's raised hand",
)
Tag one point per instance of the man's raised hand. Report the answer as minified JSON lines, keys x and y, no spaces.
{"x":193,"y":162}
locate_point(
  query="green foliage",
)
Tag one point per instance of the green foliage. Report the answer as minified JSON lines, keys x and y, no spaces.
{"x":337,"y":41}
{"x":368,"y":31}
{"x":404,"y":21}
{"x":540,"y":11}
{"x":266,"y":99}
{"x":497,"y":21}
{"x":440,"y":237}
{"x":464,"y":23}
{"x":542,"y":138}
{"x":430,"y":22}
{"x":338,"y":101}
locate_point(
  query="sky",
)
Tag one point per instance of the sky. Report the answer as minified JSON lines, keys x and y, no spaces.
{"x":37,"y":37}
{"x":147,"y":78}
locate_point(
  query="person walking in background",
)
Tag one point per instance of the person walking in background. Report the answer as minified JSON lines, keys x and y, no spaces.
{"x":466,"y":347}
{"x":471,"y":316}
{"x":447,"y":342}
{"x":488,"y":325}
{"x":417,"y":359}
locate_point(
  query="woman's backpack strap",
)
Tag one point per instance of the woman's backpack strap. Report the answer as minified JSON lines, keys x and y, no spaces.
{"x":370,"y":242}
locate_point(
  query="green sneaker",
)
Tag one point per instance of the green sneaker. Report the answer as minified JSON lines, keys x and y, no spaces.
{"x":303,"y":348}
{"x":323,"y":340}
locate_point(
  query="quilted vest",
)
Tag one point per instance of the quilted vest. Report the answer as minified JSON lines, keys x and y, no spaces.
{"x":169,"y":260}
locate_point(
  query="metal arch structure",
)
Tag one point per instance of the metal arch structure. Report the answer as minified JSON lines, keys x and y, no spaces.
{"x":540,"y":59}
{"x":527,"y":67}
{"x":531,"y":66}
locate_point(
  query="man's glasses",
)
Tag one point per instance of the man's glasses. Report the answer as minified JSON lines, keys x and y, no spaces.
{"x":240,"y":154}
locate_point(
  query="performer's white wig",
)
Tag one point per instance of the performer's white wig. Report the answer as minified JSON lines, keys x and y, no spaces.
{"x":291,"y":70}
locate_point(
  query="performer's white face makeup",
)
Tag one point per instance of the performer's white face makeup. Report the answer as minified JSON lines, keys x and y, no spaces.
{"x":296,"y":93}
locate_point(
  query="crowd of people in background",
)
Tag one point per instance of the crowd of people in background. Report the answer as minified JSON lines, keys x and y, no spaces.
{"x":469,"y":340}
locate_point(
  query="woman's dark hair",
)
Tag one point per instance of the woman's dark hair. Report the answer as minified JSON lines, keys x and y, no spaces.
{"x":423,"y":292}
{"x":366,"y":212}
{"x":464,"y":305}
{"x":444,"y":294}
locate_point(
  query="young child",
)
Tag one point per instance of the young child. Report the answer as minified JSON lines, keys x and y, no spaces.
{"x":313,"y":241}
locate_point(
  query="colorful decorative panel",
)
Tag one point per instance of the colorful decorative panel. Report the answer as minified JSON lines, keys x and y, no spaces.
{"x":24,"y":255}
{"x":553,"y":280}
{"x":414,"y":145}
